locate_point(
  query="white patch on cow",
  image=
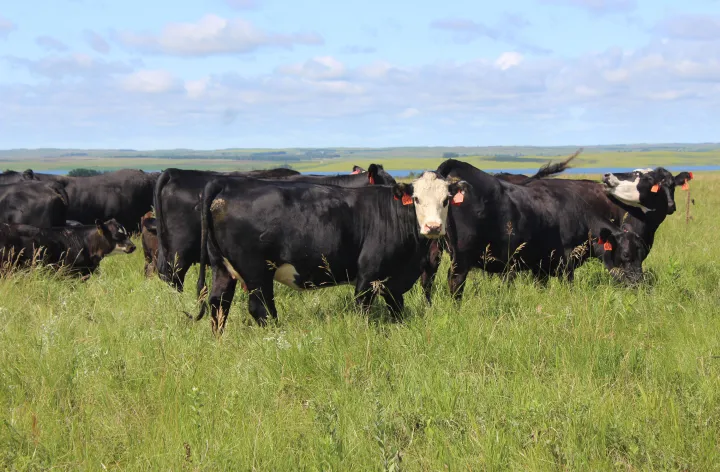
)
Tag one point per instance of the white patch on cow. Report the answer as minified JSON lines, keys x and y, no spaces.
{"x":429,"y":195}
{"x":119,"y":249}
{"x":233,"y":273}
{"x":643,"y":171}
{"x":121,"y":230}
{"x":624,"y":190}
{"x":285,"y":274}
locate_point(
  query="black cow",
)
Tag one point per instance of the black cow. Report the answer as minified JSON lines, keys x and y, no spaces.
{"x":41,"y":204}
{"x":77,"y":249}
{"x":538,"y":226}
{"x":124,"y":195}
{"x":11,"y":176}
{"x":512,"y":178}
{"x":312,"y":236}
{"x":178,"y":217}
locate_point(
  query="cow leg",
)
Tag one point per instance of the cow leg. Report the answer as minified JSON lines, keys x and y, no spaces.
{"x":430,"y":269}
{"x":364,"y":294}
{"x":221,"y":297}
{"x":261,"y":301}
{"x":456,"y":280}
{"x":395,"y":303}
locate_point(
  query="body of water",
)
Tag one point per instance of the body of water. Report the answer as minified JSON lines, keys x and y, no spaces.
{"x":527,"y":171}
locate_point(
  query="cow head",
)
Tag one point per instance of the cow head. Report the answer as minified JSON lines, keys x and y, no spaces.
{"x":646,"y":188}
{"x":116,"y":239}
{"x":431,"y":195}
{"x":624,"y":254}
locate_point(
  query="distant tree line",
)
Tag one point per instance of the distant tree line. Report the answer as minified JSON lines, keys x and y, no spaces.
{"x":80,"y":172}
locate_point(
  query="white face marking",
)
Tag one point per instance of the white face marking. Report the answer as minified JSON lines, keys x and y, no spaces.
{"x":429,"y":196}
{"x":285,"y":274}
{"x":624,"y":190}
{"x":121,"y":230}
{"x":233,"y":273}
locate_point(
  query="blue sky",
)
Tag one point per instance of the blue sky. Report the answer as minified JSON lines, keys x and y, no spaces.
{"x":214,"y":74}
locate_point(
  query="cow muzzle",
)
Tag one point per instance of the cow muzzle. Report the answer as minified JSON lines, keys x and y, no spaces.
{"x":432,"y":230}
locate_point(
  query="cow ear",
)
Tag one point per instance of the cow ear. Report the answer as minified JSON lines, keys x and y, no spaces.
{"x":460,"y":186}
{"x":28,"y":174}
{"x":372,"y":173}
{"x":402,"y":192}
{"x":682,"y":178}
{"x":357,"y":170}
{"x":607,"y":239}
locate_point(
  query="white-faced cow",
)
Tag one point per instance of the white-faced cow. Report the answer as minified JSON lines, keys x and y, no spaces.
{"x":310,"y":236}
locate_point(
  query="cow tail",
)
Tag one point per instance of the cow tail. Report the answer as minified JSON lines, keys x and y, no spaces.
{"x":212,"y":189}
{"x":551,"y":169}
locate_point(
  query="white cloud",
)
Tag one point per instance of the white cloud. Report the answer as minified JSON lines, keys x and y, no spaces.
{"x":409,"y":113}
{"x":213,"y":35}
{"x":325,"y":67}
{"x":196,"y":88}
{"x":149,"y":81}
{"x":691,"y":27}
{"x":6,"y":27}
{"x":508,"y":60}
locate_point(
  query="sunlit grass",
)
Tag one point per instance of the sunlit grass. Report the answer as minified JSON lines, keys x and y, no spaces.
{"x":589,"y":376}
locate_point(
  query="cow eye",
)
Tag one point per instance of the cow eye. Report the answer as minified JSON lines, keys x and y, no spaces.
{"x":416,"y":200}
{"x":446,"y":201}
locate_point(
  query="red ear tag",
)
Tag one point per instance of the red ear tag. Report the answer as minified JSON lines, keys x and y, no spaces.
{"x":600,"y":241}
{"x":371,"y":180}
{"x":655,"y":188}
{"x":607,"y":246}
{"x":458,"y":198}
{"x":685,"y":186}
{"x":357,"y":171}
{"x":691,"y":176}
{"x":406,"y":199}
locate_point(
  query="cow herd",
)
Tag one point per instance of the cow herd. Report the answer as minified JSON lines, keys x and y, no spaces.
{"x":311,"y":231}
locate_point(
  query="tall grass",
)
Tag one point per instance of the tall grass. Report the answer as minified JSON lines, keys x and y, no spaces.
{"x":109,"y":374}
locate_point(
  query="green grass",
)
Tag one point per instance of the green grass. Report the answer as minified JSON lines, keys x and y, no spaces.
{"x":108,"y":374}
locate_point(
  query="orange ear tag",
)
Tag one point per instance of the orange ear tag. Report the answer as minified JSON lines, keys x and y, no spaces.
{"x":691,"y":176}
{"x":406,"y":199}
{"x":685,"y":186}
{"x":655,"y":188}
{"x":371,"y":180}
{"x":458,"y":198}
{"x":607,"y":246}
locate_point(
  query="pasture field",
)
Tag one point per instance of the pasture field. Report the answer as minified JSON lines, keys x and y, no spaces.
{"x":109,"y":374}
{"x":401,"y":159}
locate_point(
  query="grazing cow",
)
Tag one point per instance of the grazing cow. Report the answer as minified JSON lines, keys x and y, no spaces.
{"x":178,"y":217}
{"x":312,"y":236}
{"x":41,"y":204}
{"x":623,"y":254}
{"x":79,"y":249}
{"x":538,"y":226}
{"x":149,"y":242}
